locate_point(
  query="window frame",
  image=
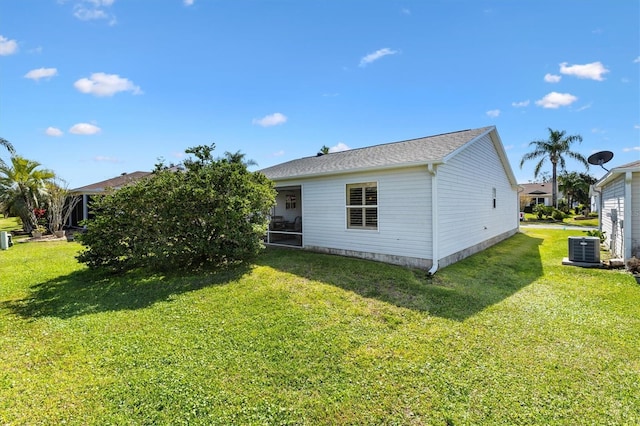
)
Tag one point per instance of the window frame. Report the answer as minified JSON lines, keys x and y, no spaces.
{"x":362,"y":207}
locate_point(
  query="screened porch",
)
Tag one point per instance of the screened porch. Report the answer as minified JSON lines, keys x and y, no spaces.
{"x":285,"y":227}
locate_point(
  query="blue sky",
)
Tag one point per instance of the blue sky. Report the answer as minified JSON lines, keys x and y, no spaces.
{"x":95,"y":88}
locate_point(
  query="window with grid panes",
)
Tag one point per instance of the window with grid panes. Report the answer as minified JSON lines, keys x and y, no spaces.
{"x":362,"y":206}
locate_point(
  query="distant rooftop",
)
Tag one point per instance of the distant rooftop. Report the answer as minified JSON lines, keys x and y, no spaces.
{"x":537,"y":188}
{"x":113,"y":183}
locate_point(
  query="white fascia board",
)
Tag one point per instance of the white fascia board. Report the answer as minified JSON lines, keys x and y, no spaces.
{"x":359,"y":170}
{"x":613,"y":174}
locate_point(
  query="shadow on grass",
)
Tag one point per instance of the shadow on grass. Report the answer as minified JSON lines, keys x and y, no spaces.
{"x":456,"y":292}
{"x":90,"y":291}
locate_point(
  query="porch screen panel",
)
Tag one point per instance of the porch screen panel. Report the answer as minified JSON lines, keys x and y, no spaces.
{"x":362,"y":206}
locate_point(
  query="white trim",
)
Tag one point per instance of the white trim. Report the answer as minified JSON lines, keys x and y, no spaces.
{"x":434,"y":219}
{"x":628,"y":209}
{"x":364,"y":207}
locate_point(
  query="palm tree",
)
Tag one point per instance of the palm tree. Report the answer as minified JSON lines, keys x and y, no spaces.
{"x":6,"y":144}
{"x":554,"y":149}
{"x":238,"y":157}
{"x":575,"y":187}
{"x":324,"y":150}
{"x":22,"y":187}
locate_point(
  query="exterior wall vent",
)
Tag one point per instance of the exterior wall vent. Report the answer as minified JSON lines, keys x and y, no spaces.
{"x":584,"y":249}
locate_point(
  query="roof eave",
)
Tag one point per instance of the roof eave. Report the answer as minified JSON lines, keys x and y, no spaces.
{"x":360,"y":170}
{"x":614,"y":173}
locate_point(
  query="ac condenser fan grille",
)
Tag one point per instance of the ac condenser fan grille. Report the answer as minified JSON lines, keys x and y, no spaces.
{"x":584,"y":249}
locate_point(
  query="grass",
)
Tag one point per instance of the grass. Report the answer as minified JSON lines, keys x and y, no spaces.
{"x":572,"y":220}
{"x":508,"y":336}
{"x":9,"y":224}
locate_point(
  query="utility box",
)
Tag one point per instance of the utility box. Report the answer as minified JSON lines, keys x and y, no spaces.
{"x":5,"y":240}
{"x":584,"y":249}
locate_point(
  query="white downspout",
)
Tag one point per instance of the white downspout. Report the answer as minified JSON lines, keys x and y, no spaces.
{"x":599,"y":204}
{"x":626,"y":225}
{"x":434,"y":218}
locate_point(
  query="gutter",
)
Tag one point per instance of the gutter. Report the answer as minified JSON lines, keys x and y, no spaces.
{"x":434,"y":218}
{"x":351,"y":171}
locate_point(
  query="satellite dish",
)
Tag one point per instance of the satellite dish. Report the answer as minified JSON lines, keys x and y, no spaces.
{"x":600,"y":158}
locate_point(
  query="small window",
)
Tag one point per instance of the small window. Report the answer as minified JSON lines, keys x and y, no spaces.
{"x":494,"y":198}
{"x":362,"y":206}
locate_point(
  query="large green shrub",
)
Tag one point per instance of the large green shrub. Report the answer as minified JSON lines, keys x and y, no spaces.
{"x":213,"y":212}
{"x":541,"y":211}
{"x":558,"y":215}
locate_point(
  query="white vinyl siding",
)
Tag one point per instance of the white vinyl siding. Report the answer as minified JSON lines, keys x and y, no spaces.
{"x":613,"y":199}
{"x":467,"y":185}
{"x":635,"y":215}
{"x":404,"y":213}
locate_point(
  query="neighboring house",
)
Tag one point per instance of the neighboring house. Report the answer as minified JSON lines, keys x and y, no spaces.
{"x":618,"y":197}
{"x":81,"y":211}
{"x":425,"y":202}
{"x":535,"y":193}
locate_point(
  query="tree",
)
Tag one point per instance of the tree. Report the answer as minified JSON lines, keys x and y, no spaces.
{"x":575,"y":187}
{"x":5,"y":143}
{"x":23,"y":188}
{"x":554,"y":149}
{"x":324,"y":150}
{"x":238,"y":157}
{"x":213,"y":212}
{"x":60,"y":204}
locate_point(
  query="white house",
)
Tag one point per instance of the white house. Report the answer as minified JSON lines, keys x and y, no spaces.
{"x":618,"y":195}
{"x":536,"y":193}
{"x":425,"y":202}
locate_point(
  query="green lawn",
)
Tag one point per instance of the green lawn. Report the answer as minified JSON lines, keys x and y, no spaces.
{"x":9,"y":224}
{"x":590,"y":222}
{"x":508,"y":336}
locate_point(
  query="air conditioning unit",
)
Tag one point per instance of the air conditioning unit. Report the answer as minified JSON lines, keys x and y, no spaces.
{"x":584,"y":249}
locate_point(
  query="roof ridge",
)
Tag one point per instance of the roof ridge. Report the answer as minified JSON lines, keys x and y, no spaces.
{"x":394,"y":142}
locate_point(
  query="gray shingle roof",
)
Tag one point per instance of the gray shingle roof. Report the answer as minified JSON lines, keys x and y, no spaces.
{"x":115,"y":183}
{"x":537,"y":188}
{"x":431,"y":149}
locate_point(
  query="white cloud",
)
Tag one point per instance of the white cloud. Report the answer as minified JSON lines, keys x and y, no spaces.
{"x":509,"y":147}
{"x":371,"y":57}
{"x":637,"y":60}
{"x":271,"y":120}
{"x":106,"y":159}
{"x":278,"y":154}
{"x":84,"y":129}
{"x":636,"y":126}
{"x":53,"y":131}
{"x":188,"y":2}
{"x":587,"y":106}
{"x":520,"y":104}
{"x":88,"y":10}
{"x":39,"y":73}
{"x":592,"y":71}
{"x":101,"y":84}
{"x":494,"y":113}
{"x":634,"y":148}
{"x":405,"y":11}
{"x":552,"y":78}
{"x":555,"y":100}
{"x":7,"y":47}
{"x":340,"y":146}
